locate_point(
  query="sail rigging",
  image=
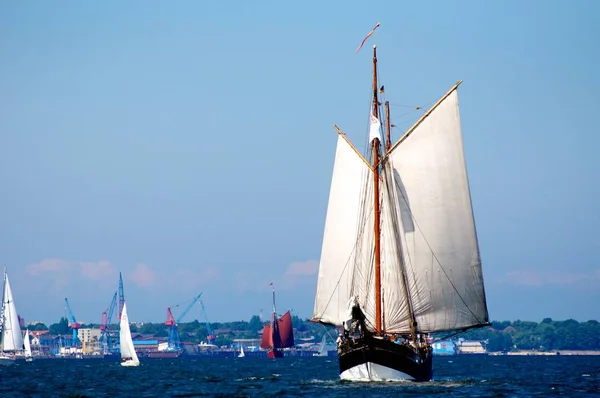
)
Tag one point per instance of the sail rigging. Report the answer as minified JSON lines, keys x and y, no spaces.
{"x":430,"y":266}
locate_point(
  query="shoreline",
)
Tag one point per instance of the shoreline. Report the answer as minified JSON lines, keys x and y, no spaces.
{"x":551,"y":353}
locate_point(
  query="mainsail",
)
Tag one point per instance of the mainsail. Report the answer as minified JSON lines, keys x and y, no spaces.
{"x":428,"y":238}
{"x":12,"y":339}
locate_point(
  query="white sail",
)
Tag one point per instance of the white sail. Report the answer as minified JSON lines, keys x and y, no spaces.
{"x":336,"y":267}
{"x":241,"y":354}
{"x":125,"y":340}
{"x":27,"y":345}
{"x":426,"y":224}
{"x":322,"y":352}
{"x":439,"y":240}
{"x":12,"y":339}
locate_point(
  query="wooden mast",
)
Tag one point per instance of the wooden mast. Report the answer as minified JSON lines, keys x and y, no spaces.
{"x":377,"y":225}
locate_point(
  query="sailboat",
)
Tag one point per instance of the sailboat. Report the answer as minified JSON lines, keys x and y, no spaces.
{"x":27,"y":347}
{"x":322,"y":352}
{"x":241,"y":354}
{"x":400,"y":257}
{"x":279,"y":334}
{"x":12,"y":339}
{"x":128,"y":354}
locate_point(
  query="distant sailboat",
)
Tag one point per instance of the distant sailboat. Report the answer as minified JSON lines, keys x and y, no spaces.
{"x":12,"y":339}
{"x":241,"y":354}
{"x":400,"y":257}
{"x":279,"y":334}
{"x":27,"y":347}
{"x":128,"y":354}
{"x":322,"y":348}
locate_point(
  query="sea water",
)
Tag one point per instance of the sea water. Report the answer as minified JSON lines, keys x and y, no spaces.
{"x":455,"y":376}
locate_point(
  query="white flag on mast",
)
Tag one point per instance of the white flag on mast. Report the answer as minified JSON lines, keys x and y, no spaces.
{"x":374,"y":131}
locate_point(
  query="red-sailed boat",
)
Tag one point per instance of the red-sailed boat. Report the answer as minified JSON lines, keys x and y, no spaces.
{"x":278,"y":334}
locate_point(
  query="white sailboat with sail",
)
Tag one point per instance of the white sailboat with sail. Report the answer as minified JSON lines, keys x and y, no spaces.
{"x":27,"y":347}
{"x":322,"y":352}
{"x":12,"y":339}
{"x":400,"y":257}
{"x":128,"y":355}
{"x":241,"y":354}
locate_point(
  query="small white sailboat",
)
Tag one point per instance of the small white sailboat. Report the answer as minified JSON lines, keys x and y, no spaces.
{"x":27,"y":346}
{"x":322,"y":348}
{"x":12,"y":339}
{"x":241,"y":354}
{"x":128,"y":354}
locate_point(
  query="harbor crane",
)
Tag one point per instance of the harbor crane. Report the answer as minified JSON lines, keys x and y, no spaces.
{"x":105,"y":337}
{"x":174,"y":341}
{"x":210,"y":335}
{"x":74,"y":324}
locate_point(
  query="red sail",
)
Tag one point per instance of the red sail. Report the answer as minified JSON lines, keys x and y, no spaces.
{"x":279,"y":334}
{"x":286,"y":331}
{"x":267,"y":338}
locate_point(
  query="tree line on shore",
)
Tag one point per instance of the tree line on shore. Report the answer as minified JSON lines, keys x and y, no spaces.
{"x":547,"y":335}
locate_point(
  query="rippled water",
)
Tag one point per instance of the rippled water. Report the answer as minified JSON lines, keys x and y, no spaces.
{"x":469,"y":376}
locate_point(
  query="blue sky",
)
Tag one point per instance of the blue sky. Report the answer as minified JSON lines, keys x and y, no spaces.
{"x":190,"y":146}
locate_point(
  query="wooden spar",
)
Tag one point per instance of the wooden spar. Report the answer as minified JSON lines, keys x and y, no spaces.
{"x":341,"y":133}
{"x":376,"y":210}
{"x":388,"y":127}
{"x":418,"y":122}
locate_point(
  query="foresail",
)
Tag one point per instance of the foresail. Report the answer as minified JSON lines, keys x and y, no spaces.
{"x":267,"y":338}
{"x":336,"y":268}
{"x":437,"y":237}
{"x":12,"y":339}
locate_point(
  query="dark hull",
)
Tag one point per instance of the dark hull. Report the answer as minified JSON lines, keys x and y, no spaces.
{"x":370,"y":358}
{"x":275,"y":354}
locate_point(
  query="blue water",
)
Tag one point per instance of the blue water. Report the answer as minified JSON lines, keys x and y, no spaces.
{"x":470,"y":376}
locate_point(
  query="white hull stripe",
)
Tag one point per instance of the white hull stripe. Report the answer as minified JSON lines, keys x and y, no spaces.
{"x":373,"y":372}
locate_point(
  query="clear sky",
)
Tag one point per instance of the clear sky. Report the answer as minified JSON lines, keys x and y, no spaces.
{"x":190,"y":145}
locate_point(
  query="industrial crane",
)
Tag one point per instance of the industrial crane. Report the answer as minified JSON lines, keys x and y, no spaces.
{"x":105,"y":338}
{"x":210,"y":336}
{"x":74,"y":324}
{"x":174,"y":341}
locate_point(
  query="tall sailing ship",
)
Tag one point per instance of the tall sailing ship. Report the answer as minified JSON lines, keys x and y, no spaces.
{"x":278,"y":334}
{"x":400,"y":257}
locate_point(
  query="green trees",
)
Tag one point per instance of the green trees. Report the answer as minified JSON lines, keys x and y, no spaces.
{"x":547,"y":335}
{"x":62,"y":327}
